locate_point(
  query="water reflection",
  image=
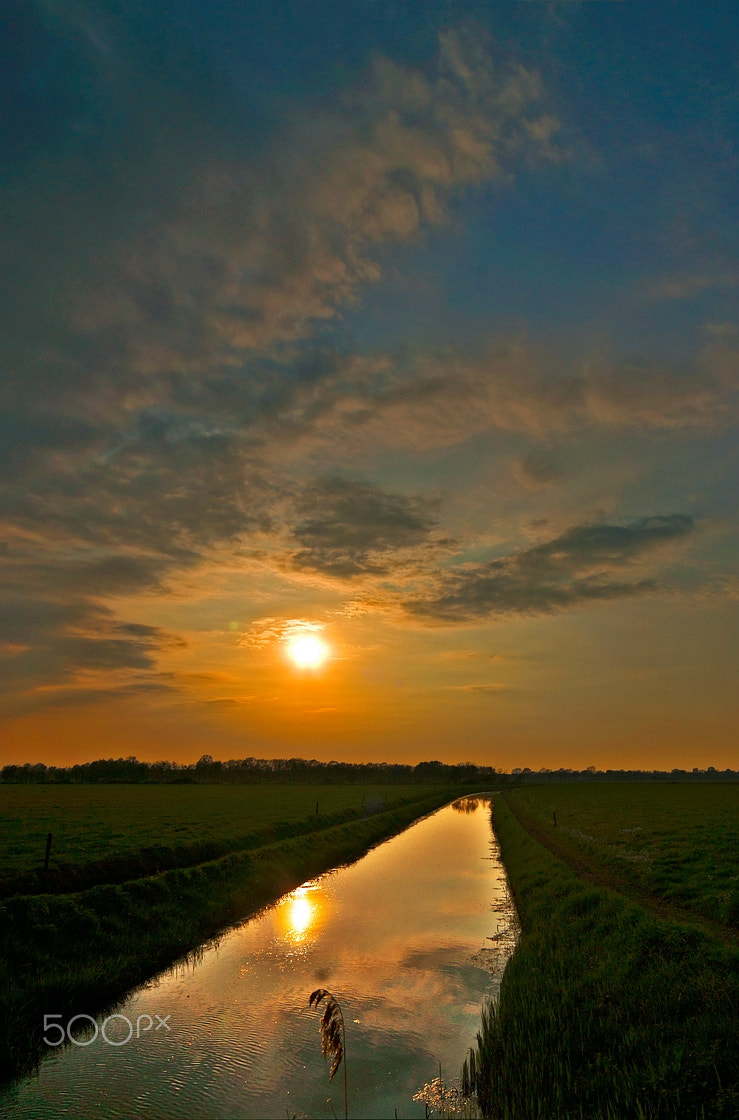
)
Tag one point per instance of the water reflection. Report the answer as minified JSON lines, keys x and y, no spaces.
{"x":403,"y":938}
{"x":470,"y":804}
{"x":299,"y":913}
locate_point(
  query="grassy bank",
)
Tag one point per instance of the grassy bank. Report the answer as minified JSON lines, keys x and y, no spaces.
{"x":607,"y":1011}
{"x":106,"y":834}
{"x":672,"y":844}
{"x":78,"y":953}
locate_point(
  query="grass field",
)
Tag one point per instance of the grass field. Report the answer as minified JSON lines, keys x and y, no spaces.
{"x":611,"y":1007}
{"x":93,"y":823}
{"x":678,"y":842}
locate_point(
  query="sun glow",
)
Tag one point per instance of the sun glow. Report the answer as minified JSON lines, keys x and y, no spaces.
{"x":299,"y":913}
{"x":307,"y":651}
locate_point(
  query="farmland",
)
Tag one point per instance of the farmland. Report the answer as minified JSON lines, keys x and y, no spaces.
{"x":675,"y":843}
{"x":108,"y":833}
{"x":621,"y":999}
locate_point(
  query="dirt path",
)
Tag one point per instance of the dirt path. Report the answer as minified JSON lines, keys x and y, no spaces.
{"x":601,"y":877}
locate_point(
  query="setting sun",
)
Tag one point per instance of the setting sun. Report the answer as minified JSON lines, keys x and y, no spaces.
{"x":307,"y":651}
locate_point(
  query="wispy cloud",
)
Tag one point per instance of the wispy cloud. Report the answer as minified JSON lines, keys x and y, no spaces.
{"x":483,"y":689}
{"x":266,"y":631}
{"x":149,"y":405}
{"x":55,"y":643}
{"x":575,"y":568}
{"x":257,"y":255}
{"x":179,"y":395}
{"x":350,"y":528}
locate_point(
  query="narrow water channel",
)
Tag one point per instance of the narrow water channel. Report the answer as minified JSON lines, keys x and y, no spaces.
{"x":410,"y":939}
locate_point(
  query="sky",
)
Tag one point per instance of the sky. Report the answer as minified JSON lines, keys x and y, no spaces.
{"x":408,"y":327}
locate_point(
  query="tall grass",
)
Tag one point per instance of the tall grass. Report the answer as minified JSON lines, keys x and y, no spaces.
{"x":605,"y":1012}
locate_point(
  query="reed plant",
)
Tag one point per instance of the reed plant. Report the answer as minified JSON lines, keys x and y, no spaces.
{"x":333,"y":1036}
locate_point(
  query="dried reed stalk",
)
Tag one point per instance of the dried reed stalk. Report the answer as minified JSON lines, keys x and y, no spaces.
{"x":333,"y":1036}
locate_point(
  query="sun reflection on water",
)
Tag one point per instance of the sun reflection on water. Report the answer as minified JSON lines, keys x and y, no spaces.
{"x":299,"y":912}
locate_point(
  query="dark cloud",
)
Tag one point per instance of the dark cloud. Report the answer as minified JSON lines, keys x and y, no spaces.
{"x":351,"y":528}
{"x":576,"y":567}
{"x":166,"y":497}
{"x":58,"y":698}
{"x":49,"y":642}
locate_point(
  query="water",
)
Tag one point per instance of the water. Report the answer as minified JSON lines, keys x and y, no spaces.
{"x":410,"y":939}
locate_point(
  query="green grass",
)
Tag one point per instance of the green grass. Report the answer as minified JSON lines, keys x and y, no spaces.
{"x":71,"y":953}
{"x":109,"y":834}
{"x":606,"y":1010}
{"x":94,"y":822}
{"x":677,"y":843}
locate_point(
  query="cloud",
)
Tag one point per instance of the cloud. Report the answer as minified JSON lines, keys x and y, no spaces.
{"x":351,"y":528}
{"x":642,"y":395}
{"x":442,"y":398}
{"x":485,"y":689}
{"x":53,"y":643}
{"x":684,"y":286}
{"x":166,"y":377}
{"x":255,"y":255}
{"x":163,"y":290}
{"x":267,"y":631}
{"x":537,"y":469}
{"x":449,"y":396}
{"x":575,"y":568}
{"x":58,"y":697}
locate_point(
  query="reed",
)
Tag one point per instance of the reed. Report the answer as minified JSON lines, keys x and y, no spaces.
{"x":333,"y":1036}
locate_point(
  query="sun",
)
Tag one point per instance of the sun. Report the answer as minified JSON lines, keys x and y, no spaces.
{"x":307,"y":651}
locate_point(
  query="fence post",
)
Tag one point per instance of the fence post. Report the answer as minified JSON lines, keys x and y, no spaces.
{"x":48,"y":852}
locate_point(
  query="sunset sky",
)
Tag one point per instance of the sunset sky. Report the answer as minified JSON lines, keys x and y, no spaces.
{"x":411,"y":327}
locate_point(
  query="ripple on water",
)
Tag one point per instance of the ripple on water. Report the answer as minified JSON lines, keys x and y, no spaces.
{"x":395,"y":936}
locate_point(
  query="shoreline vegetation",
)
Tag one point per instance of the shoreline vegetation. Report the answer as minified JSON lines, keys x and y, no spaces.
{"x":621,"y":1001}
{"x":82,"y":952}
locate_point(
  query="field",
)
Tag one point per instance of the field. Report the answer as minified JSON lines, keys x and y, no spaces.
{"x":111,"y":825}
{"x":622,"y":999}
{"x":677,"y":843}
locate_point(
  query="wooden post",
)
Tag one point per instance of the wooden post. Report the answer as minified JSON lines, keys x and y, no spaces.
{"x":48,"y":852}
{"x":555,"y":818}
{"x":316,"y":808}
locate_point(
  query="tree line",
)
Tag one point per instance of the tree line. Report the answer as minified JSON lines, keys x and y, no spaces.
{"x":238,"y":770}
